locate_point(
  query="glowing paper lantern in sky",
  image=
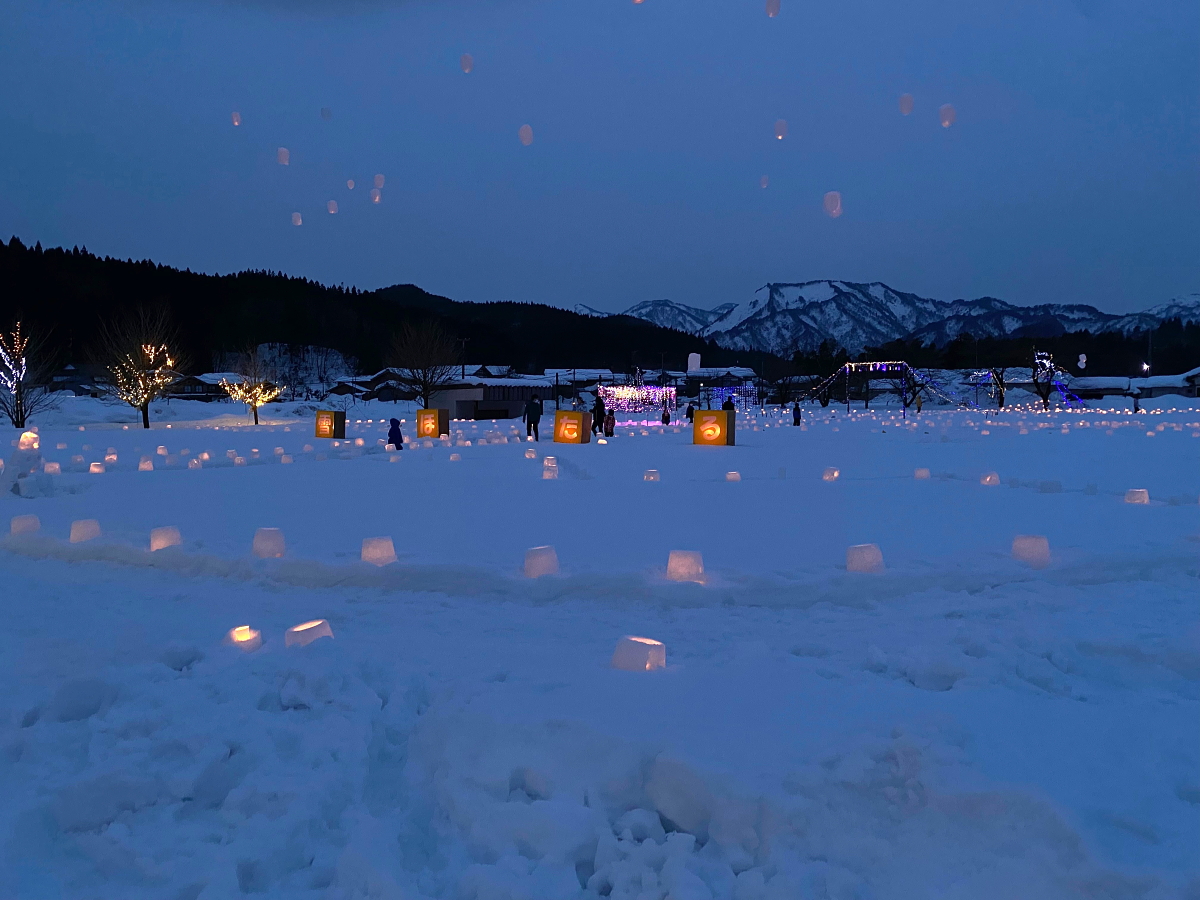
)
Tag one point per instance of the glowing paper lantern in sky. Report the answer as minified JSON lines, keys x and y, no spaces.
{"x":350,"y":184}
{"x":772,"y":8}
{"x":296,"y":219}
{"x":237,"y":119}
{"x":525,"y":134}
{"x":467,"y":62}
{"x":639,"y":654}
{"x":332,"y":207}
{"x":379,"y":181}
{"x":906,"y":104}
{"x":780,"y":129}
{"x":282,"y":156}
{"x":833,"y":204}
{"x":947,"y":115}
{"x":763,"y":182}
{"x":375,"y":195}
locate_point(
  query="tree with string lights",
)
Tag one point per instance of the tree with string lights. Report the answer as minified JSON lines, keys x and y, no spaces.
{"x":257,"y":385}
{"x":137,"y":355}
{"x":24,"y":381}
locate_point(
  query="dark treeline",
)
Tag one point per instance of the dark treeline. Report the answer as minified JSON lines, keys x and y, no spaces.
{"x":1175,"y":346}
{"x":65,"y":296}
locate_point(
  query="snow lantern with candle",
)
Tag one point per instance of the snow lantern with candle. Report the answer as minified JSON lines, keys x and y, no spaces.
{"x":244,"y":638}
{"x":268,"y":543}
{"x":651,"y":475}
{"x":990,"y":479}
{"x":639,"y":654}
{"x":1140,"y":496}
{"x":26,"y":524}
{"x":167,"y":536}
{"x":1032,"y":549}
{"x":540,"y":561}
{"x":921,"y":474}
{"x":306,"y":632}
{"x":84,"y":530}
{"x":146,"y":464}
{"x":864,"y":558}
{"x":686,"y":565}
{"x":378,"y":551}
{"x":831,"y":473}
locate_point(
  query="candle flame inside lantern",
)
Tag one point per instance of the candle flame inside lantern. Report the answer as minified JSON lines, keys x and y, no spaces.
{"x":28,"y":441}
{"x":236,"y":118}
{"x":244,"y":638}
{"x":639,"y":654}
{"x":780,"y":129}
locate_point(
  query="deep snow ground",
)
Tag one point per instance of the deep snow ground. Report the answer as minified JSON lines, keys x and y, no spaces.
{"x":959,"y":725}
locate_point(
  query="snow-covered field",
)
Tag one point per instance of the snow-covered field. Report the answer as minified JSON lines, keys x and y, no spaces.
{"x":960,"y":725}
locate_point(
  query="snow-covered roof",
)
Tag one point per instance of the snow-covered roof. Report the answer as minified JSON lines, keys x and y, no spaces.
{"x":578,"y":374}
{"x":215,"y":378}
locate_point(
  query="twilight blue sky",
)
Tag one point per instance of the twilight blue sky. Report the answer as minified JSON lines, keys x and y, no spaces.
{"x":1072,"y":173}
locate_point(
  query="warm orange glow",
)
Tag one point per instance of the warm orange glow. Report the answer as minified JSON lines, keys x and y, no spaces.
{"x":28,"y":441}
{"x":711,"y":431}
{"x":236,"y":118}
{"x":244,"y":638}
{"x":167,"y":536}
{"x":864,"y":558}
{"x":27,"y":524}
{"x":686,"y":565}
{"x":991,"y":479}
{"x":378,"y":551}
{"x":831,"y":474}
{"x":84,"y":530}
{"x":96,"y":468}
{"x":540,"y":561}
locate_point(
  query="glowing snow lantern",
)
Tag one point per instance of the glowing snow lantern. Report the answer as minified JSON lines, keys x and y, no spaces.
{"x":455,"y":457}
{"x":28,"y":441}
{"x":378,"y":551}
{"x":236,"y":118}
{"x":651,"y":475}
{"x":832,"y":473}
{"x":1137,"y":495}
{"x":1033,"y":549}
{"x":297,"y":219}
{"x":244,"y":638}
{"x":733,"y":476}
{"x":52,"y":468}
{"x":350,"y":184}
{"x":24,"y":524}
{"x":531,"y":453}
{"x":96,"y":468}
{"x":332,"y":207}
{"x":780,"y":129}
{"x":549,"y":468}
{"x":306,"y":632}
{"x":84,"y":530}
{"x":906,"y":104}
{"x":146,"y":464}
{"x":990,"y":479}
{"x":639,"y":654}
{"x":375,"y":195}
{"x":466,"y":62}
{"x":525,"y":135}
{"x":864,"y":558}
{"x":947,"y":115}
{"x":832,"y":203}
{"x":167,"y":536}
{"x":686,"y":565}
{"x":239,"y":460}
{"x":282,"y":156}
{"x":195,"y":463}
{"x":921,"y":474}
{"x":286,"y":459}
{"x":540,"y":561}
{"x":772,"y":8}
{"x":268,"y":543}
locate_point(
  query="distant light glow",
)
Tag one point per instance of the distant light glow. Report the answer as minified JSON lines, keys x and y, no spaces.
{"x":947,"y":115}
{"x":906,"y":104}
{"x":780,"y":129}
{"x":772,"y":8}
{"x":467,"y":62}
{"x":525,"y":135}
{"x":236,"y":118}
{"x":833,"y":204}
{"x":332,"y":207}
{"x":283,"y":157}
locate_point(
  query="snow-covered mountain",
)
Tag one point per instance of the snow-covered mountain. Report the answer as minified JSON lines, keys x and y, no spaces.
{"x":783,"y":318}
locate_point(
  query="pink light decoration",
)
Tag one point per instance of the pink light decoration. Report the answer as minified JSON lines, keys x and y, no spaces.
{"x":833,"y":204}
{"x":467,"y":62}
{"x":379,"y":181}
{"x":236,"y":118}
{"x":780,"y":129}
{"x":525,"y":135}
{"x":283,"y":157}
{"x":906,"y":104}
{"x":772,"y":8}
{"x":947,"y":115}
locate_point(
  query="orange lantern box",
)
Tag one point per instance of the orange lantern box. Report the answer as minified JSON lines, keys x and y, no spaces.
{"x":714,"y":427}
{"x":572,"y":427}
{"x":433,"y":423}
{"x":331,"y":423}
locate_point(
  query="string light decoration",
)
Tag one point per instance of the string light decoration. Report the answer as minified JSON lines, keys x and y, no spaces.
{"x":744,"y":397}
{"x":253,"y":392}
{"x":636,"y":397}
{"x":18,"y":399}
{"x":140,"y":381}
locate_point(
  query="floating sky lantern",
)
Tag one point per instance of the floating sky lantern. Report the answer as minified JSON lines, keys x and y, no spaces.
{"x":84,"y":530}
{"x":466,"y":62}
{"x":780,"y":129}
{"x":236,"y":118}
{"x":651,"y":475}
{"x":906,"y":104}
{"x":26,"y":524}
{"x":921,"y":474}
{"x":832,"y":202}
{"x":1032,"y":549}
{"x":831,"y":473}
{"x":763,"y":182}
{"x":164,"y":537}
{"x":244,"y":638}
{"x":332,"y":207}
{"x":525,"y":135}
{"x":686,"y":565}
{"x":990,"y":479}
{"x":268,"y":543}
{"x":639,"y":654}
{"x":378,"y":551}
{"x":376,"y":196}
{"x":772,"y":8}
{"x":1137,"y":495}
{"x":306,"y":632}
{"x":864,"y":558}
{"x":350,"y":184}
{"x":283,"y":157}
{"x":540,"y":561}
{"x":947,"y":115}
{"x":297,"y":219}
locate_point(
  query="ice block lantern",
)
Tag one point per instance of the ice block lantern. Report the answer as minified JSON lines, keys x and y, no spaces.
{"x":27,"y":524}
{"x":96,"y":468}
{"x":52,"y":468}
{"x":1137,"y":495}
{"x":733,"y":476}
{"x":651,"y":475}
{"x":244,"y":638}
{"x":639,"y":654}
{"x":167,"y":536}
{"x":864,"y":558}
{"x":378,"y":551}
{"x":991,"y":479}
{"x":921,"y":474}
{"x":268,"y":543}
{"x":686,"y":565}
{"x":306,"y":632}
{"x":540,"y":561}
{"x":1032,"y":549}
{"x":28,"y":441}
{"x":549,"y":467}
{"x":531,"y":453}
{"x":831,"y":473}
{"x":84,"y":530}
{"x":146,"y":464}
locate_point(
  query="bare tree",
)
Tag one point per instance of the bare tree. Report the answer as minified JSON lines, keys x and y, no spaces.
{"x":258,"y":383}
{"x":136,"y":351}
{"x":1045,"y":374}
{"x":998,"y":374}
{"x":24,"y":377}
{"x":425,"y":357}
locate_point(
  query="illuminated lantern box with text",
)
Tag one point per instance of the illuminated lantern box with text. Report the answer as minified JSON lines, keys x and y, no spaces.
{"x":331,"y":424}
{"x":572,"y":427}
{"x":713,"y":427}
{"x":433,"y":423}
